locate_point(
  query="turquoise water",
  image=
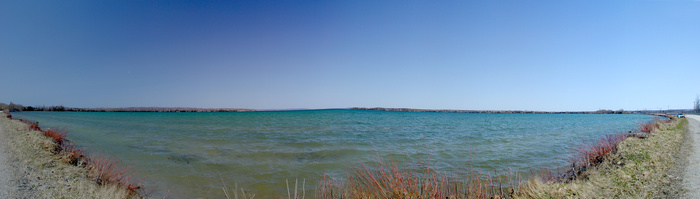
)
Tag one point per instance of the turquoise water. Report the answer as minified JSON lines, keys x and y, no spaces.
{"x":188,"y":154}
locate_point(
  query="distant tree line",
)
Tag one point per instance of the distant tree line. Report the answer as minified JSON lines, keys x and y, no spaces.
{"x":602,"y":111}
{"x":606,"y":111}
{"x":696,"y":104}
{"x":12,"y":107}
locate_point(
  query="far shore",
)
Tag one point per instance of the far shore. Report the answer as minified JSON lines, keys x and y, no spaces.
{"x":17,"y":108}
{"x":664,"y":113}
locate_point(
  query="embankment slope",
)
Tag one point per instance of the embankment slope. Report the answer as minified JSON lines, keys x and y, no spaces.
{"x":28,"y":168}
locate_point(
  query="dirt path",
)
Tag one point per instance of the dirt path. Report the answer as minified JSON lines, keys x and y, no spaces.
{"x":8,"y":183}
{"x":692,"y":173}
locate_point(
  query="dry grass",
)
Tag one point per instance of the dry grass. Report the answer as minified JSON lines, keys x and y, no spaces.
{"x":641,"y":168}
{"x":392,"y":180}
{"x":234,"y":191}
{"x":31,"y":124}
{"x":73,"y":155}
{"x":50,"y":169}
{"x":106,"y":171}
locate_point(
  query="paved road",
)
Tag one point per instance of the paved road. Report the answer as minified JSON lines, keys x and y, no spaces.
{"x":691,"y":179}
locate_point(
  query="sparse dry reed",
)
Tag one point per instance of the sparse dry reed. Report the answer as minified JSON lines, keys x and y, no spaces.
{"x":235,"y":191}
{"x":105,"y":170}
{"x":391,"y":180}
{"x":296,"y":186}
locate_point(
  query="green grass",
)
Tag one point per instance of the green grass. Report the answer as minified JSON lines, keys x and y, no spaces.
{"x":641,"y":168}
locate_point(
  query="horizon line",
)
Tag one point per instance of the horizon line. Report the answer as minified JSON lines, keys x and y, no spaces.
{"x":196,"y":109}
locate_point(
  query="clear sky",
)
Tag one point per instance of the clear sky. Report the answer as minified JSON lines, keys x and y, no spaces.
{"x":479,"y":55}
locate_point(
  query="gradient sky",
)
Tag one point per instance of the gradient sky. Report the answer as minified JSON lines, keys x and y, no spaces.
{"x":480,"y":55}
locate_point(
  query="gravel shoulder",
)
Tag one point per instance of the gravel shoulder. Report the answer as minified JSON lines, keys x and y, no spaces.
{"x":5,"y":170}
{"x":691,"y":179}
{"x":9,"y":173}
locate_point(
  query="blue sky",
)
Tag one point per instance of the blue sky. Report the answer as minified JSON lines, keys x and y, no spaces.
{"x":481,"y":55}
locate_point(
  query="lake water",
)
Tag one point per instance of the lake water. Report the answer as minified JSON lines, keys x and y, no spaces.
{"x":188,"y":154}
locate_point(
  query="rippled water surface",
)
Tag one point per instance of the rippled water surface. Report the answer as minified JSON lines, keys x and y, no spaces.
{"x":188,"y":154}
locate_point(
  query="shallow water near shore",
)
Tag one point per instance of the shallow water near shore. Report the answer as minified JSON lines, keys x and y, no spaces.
{"x":187,"y":155}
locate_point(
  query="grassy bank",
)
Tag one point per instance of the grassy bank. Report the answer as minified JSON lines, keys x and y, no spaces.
{"x":640,"y":168}
{"x":49,"y":166}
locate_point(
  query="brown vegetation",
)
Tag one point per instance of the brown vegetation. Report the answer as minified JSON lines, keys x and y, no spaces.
{"x":107,"y":171}
{"x":648,"y":127}
{"x":391,"y":180}
{"x":101,"y":170}
{"x":57,"y":135}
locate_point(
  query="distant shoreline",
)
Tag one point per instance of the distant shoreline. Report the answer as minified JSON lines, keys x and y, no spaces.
{"x":17,"y":108}
{"x":131,"y":109}
{"x":487,"y":111}
{"x":603,"y":111}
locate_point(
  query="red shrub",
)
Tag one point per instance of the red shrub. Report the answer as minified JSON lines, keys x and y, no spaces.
{"x":32,"y":125}
{"x":35,"y":126}
{"x":58,"y":135}
{"x":589,"y":155}
{"x":648,"y":127}
{"x":106,"y":171}
{"x":594,"y":153}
